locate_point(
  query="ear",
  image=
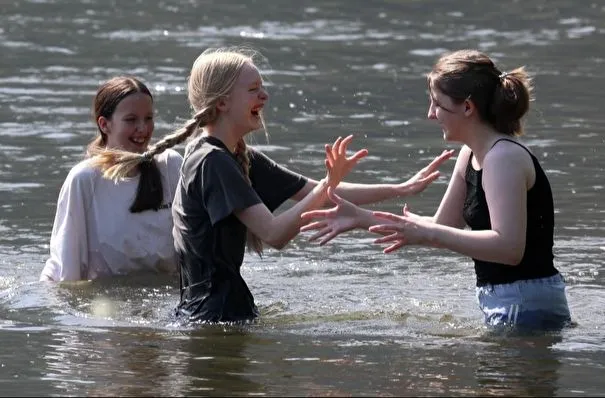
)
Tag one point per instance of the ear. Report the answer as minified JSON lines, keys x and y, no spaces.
{"x":103,"y":124}
{"x":222,"y":104}
{"x":469,"y":107}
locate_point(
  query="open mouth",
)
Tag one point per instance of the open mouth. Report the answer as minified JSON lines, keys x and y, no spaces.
{"x":139,"y":141}
{"x":256,"y":112}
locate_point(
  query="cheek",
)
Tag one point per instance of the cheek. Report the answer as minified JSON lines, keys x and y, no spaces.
{"x":441,"y":114}
{"x":123,"y":130}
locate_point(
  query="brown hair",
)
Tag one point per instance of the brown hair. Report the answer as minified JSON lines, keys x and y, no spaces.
{"x":149,"y":194}
{"x":212,"y":78}
{"x":502,"y":98}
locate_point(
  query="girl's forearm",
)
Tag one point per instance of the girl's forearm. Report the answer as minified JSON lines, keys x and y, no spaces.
{"x":485,"y":245}
{"x":366,"y":193}
{"x":287,"y":224}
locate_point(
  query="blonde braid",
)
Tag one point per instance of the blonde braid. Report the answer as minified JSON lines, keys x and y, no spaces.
{"x":241,"y":153}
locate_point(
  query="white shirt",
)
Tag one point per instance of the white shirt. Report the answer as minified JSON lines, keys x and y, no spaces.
{"x":95,"y":234}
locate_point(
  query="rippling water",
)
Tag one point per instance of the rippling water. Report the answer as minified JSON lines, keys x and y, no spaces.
{"x":337,"y":320}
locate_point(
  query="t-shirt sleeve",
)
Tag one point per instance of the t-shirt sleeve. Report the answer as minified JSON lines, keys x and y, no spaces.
{"x":224,"y":187}
{"x":68,"y":242}
{"x":274,"y":183}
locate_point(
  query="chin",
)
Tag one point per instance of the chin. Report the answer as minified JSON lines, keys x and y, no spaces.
{"x":255,"y":126}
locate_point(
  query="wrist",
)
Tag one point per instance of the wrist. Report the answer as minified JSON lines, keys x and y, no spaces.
{"x":321,"y":189}
{"x":431,"y":235}
{"x":401,"y":189}
{"x":364,"y":219}
{"x":322,"y":185}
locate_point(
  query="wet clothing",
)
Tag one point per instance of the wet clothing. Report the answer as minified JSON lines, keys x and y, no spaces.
{"x":209,"y":239}
{"x":95,"y":234}
{"x":531,"y":294}
{"x":526,"y":304}
{"x":537,"y":261}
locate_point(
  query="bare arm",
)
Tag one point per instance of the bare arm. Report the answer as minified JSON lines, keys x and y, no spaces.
{"x":278,"y":230}
{"x":449,"y":211}
{"x":371,"y":193}
{"x":344,"y":216}
{"x":507,"y":173}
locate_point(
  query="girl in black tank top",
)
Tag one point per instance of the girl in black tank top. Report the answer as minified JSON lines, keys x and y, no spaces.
{"x":537,"y":261}
{"x":510,"y":214}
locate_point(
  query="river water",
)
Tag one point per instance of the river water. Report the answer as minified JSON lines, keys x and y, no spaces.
{"x":343,"y":319}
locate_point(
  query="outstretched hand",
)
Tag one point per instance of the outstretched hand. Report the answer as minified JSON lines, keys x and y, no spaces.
{"x":337,"y":162}
{"x":398,"y":231}
{"x":331,"y":222}
{"x":425,"y":176}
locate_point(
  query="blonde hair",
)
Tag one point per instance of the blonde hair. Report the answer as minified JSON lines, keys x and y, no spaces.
{"x":212,"y":78}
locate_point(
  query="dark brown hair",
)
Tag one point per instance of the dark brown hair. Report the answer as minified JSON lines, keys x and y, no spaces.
{"x":149,"y":194}
{"x":502,"y":98}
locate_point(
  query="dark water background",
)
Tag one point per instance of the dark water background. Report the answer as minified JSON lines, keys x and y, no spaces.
{"x":338,"y":320}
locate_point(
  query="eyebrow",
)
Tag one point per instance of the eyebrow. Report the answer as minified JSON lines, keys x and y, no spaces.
{"x":135,"y":115}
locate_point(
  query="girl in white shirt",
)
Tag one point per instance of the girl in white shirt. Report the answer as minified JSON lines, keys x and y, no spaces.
{"x":105,"y":228}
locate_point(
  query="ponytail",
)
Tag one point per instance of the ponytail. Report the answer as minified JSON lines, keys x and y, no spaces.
{"x":502,"y":98}
{"x":511,"y":101}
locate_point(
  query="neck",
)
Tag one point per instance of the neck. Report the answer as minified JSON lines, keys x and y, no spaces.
{"x":480,"y":140}
{"x":225,"y":133}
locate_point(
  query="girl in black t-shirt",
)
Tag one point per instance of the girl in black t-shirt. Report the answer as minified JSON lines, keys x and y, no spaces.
{"x":227,"y":192}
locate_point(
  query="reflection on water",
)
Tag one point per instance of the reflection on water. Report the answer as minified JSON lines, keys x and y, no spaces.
{"x":337,"y":320}
{"x":239,"y":362}
{"x":204,"y":362}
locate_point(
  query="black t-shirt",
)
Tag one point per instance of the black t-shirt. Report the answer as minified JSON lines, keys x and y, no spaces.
{"x":209,"y":239}
{"x":537,"y":261}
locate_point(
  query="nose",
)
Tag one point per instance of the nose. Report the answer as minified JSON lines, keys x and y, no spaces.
{"x":431,"y":115}
{"x":264,"y":95}
{"x":142,"y":126}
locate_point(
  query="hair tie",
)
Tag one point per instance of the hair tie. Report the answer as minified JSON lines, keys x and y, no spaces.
{"x":503,"y":75}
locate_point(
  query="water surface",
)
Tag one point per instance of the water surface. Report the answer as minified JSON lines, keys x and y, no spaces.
{"x":343,"y":319}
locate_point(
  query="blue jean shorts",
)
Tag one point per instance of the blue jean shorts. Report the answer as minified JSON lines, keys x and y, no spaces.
{"x":527,"y":304}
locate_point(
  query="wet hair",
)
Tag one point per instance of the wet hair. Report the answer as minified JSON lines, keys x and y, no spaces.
{"x":149,"y":194}
{"x":501,"y":98}
{"x":213,"y":76}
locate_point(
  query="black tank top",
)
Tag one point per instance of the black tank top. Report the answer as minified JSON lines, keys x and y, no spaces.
{"x":537,"y":261}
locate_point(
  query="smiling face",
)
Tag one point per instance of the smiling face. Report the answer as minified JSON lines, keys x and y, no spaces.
{"x":130,"y":126}
{"x":246,"y":100}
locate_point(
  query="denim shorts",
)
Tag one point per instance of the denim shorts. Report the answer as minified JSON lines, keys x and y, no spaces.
{"x":527,"y":304}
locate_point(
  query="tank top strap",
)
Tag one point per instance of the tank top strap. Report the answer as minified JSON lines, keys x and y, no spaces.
{"x":469,"y":166}
{"x":514,"y":142}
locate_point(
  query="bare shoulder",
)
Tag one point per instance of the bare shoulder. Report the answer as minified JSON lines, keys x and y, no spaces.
{"x":509,"y":154}
{"x":462,"y":160}
{"x":510,"y":160}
